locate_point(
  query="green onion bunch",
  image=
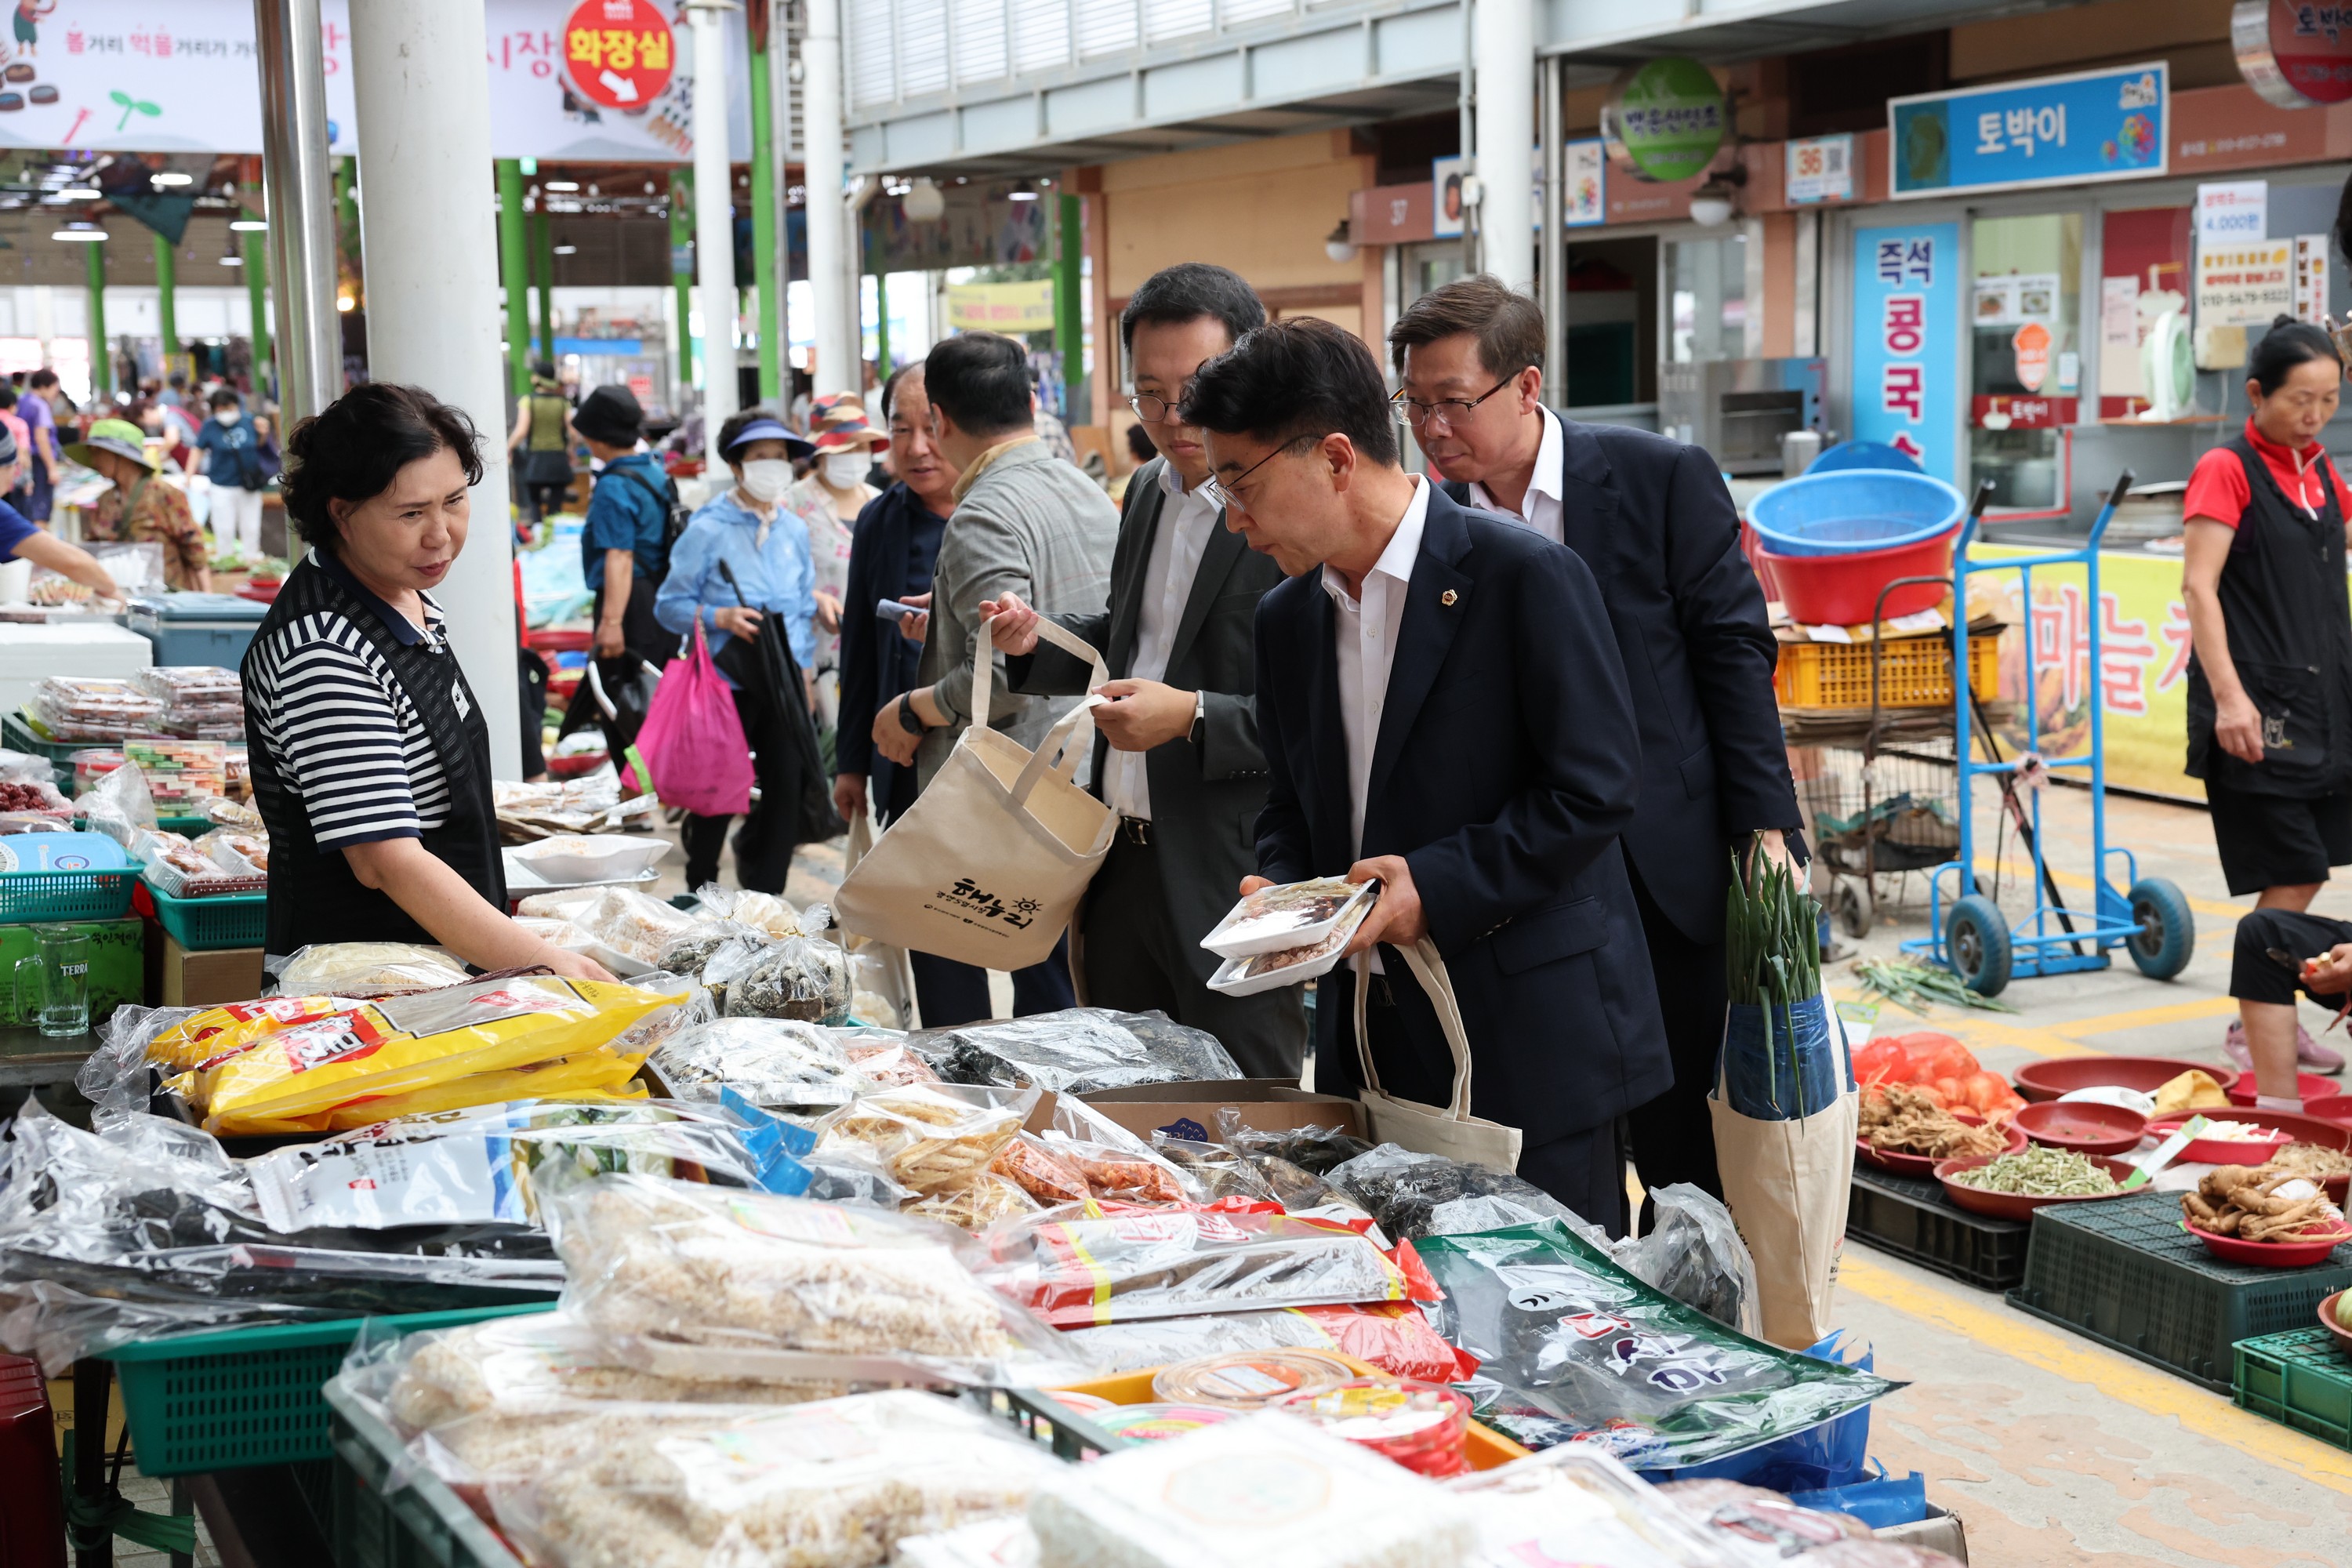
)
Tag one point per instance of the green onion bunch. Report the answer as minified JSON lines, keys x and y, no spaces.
{"x":1772,"y":944}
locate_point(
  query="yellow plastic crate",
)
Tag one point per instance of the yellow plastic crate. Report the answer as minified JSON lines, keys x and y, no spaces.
{"x":1914,"y":672}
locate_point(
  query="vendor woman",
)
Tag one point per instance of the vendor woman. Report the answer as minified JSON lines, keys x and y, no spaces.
{"x":371,"y":760}
{"x":2270,"y":683}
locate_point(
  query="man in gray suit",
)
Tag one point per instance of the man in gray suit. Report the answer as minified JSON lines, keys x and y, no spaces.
{"x":1026,"y":523}
{"x":1178,"y":759}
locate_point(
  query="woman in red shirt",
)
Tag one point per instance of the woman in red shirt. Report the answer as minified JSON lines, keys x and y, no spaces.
{"x":2270,"y":686}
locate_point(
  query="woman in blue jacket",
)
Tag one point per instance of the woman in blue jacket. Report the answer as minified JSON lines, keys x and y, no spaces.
{"x":745,"y":528}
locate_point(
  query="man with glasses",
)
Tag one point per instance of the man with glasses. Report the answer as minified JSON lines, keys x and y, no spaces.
{"x":1651,"y":518}
{"x":1442,"y":708}
{"x":1178,"y":758}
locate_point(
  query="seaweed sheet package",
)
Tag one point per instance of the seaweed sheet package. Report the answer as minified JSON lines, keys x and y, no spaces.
{"x":1575,"y":1350}
{"x":292,"y":1080}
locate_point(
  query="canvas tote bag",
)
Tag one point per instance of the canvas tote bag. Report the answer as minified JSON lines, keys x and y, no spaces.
{"x":1787,"y":1185}
{"x":891,"y":976}
{"x":1448,"y":1130}
{"x":989,"y":863}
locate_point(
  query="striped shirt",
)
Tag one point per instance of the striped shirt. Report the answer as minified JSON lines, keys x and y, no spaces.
{"x":346,"y":739}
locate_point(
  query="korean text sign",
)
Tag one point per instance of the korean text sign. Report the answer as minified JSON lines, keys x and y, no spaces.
{"x":2057,"y":131}
{"x":1907,"y":333}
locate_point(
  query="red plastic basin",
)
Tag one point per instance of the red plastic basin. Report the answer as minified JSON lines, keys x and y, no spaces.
{"x":2084,"y":1126}
{"x":1843,"y":589}
{"x":2049,"y":1080}
{"x":2312,"y":1089}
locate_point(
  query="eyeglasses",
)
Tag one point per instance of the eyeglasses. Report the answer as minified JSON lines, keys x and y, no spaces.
{"x":1221,"y":492}
{"x":1152,"y":410}
{"x":1451,"y":412}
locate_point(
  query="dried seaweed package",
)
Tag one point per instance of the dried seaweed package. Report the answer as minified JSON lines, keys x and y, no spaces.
{"x":804,"y":978}
{"x":1403,"y":1190}
{"x":769,"y":1061}
{"x":1079,"y":1050}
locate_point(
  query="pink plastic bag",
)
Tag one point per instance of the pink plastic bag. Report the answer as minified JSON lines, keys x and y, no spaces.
{"x":693,"y":743}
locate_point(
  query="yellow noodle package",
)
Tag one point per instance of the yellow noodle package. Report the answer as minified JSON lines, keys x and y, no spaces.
{"x":600,"y":1075}
{"x":295,"y":1078}
{"x":222,"y":1031}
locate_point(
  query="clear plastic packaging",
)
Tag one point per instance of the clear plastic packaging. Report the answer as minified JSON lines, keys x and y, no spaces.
{"x":990,"y":1200}
{"x":1750,"y":1525}
{"x":90,"y":708}
{"x":1288,"y":915}
{"x":1402,"y":1189}
{"x":883,"y":1061}
{"x":1317,"y":1150}
{"x":804,"y":978}
{"x":119,"y":805}
{"x":1421,"y":1425}
{"x":181,"y":774}
{"x":1079,"y":1050}
{"x":368,"y":969}
{"x":835,"y":1484}
{"x":762,"y":912}
{"x":852,"y":1173}
{"x":1032,"y":1164}
{"x":1391,"y":1335}
{"x":1692,"y":1252}
{"x":1074,"y":1270}
{"x":589,"y":804}
{"x":632,"y":922}
{"x":1572,"y":1504}
{"x":1250,"y":1380}
{"x":769,"y":1061}
{"x":1574,"y":1349}
{"x":690,"y":950}
{"x":934,"y":1139}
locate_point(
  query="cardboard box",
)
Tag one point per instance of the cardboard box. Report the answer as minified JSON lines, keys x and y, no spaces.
{"x":118,"y":970}
{"x":187,"y":979}
{"x":1939,"y":1532}
{"x":1268,"y":1104}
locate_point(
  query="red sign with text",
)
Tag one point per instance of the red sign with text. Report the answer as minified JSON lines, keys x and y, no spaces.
{"x":2004,"y":411}
{"x":620,"y":53}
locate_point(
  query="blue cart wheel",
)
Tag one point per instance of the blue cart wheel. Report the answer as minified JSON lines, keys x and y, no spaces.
{"x":2167,"y":932}
{"x":1975,"y":944}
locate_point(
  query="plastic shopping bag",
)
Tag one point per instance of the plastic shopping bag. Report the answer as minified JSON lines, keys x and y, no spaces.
{"x":693,"y":742}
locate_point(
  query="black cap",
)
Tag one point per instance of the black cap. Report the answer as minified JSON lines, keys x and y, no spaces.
{"x":610,"y":414}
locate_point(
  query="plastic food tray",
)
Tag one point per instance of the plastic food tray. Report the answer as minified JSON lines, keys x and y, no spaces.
{"x":16,"y":735}
{"x":1911,"y":1217}
{"x":246,"y":1396}
{"x":2125,"y":1274}
{"x":419,"y":1524}
{"x":2301,"y":1379}
{"x":209,"y":924}
{"x":1226,"y":941}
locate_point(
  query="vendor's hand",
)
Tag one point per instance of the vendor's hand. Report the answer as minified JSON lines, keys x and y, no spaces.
{"x":1397,"y":918}
{"x":741,"y":621}
{"x":576,"y":965}
{"x":2238,"y":725}
{"x":1012,"y":625}
{"x":1252,"y":884}
{"x":2329,"y":975}
{"x":828,"y":611}
{"x":849,"y":796}
{"x":890,"y":737}
{"x":916,"y":628}
{"x":608,"y":639}
{"x":1142,"y":713}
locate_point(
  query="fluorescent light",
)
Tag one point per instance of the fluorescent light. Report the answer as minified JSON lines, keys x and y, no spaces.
{"x":232,"y":260}
{"x":345,"y":302}
{"x":171,"y":178}
{"x":81,"y":235}
{"x":562,"y":185}
{"x":249,"y":225}
{"x":1025,"y":195}
{"x":79,"y":193}
{"x":567,"y":250}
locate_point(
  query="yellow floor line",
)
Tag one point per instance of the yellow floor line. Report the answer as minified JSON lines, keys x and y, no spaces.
{"x":1971,"y":1028}
{"x":2145,"y":1018}
{"x":2197,"y":1410}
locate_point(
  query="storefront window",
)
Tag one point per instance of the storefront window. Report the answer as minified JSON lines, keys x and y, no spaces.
{"x":1707,"y":282}
{"x":2025,"y":358}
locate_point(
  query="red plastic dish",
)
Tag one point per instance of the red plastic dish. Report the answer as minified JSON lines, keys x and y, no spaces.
{"x":2215,"y":1151}
{"x":1925,"y":1165}
{"x":2271,"y":1253}
{"x":2084,"y":1126}
{"x":2314,"y":1089}
{"x":2048,"y":1081}
{"x":2327,"y":1320}
{"x":2015,"y":1205}
{"x":1843,"y":589}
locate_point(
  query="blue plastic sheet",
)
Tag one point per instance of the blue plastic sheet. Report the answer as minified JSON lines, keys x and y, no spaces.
{"x":1828,"y":1456}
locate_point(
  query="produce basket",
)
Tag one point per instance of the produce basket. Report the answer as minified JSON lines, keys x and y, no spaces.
{"x":421,"y":1522}
{"x":206,"y":925}
{"x":1913,"y":672}
{"x":2301,"y":1379}
{"x":66,"y":895}
{"x":246,"y":1396}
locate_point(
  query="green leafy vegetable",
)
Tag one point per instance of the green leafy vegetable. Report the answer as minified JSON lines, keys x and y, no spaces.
{"x":1915,"y":987}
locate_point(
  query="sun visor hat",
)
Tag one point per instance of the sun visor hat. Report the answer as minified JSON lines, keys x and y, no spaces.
{"x":768,"y":430}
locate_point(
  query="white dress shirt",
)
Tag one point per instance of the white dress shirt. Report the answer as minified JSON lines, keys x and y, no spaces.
{"x":1186,"y":521}
{"x":1539,"y":508}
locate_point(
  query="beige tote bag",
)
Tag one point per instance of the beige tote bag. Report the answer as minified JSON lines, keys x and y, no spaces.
{"x":989,"y":863}
{"x":1788,"y":1185}
{"x":1451,"y":1130}
{"x":894,"y":983}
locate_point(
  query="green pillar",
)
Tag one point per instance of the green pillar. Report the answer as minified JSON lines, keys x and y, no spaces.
{"x":681,"y":269}
{"x":514,"y":269}
{"x":167,"y":289}
{"x":1069,"y":329}
{"x":256,"y":285}
{"x":882,"y":324}
{"x":102,"y":357}
{"x":543,"y":259}
{"x":766,"y":264}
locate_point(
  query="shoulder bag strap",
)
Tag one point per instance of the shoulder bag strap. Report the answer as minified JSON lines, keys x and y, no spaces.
{"x":1064,"y":736}
{"x":1429,"y":970}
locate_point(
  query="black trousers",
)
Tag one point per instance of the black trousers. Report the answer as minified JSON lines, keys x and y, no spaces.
{"x":1585,"y":1169}
{"x":1136,"y":960}
{"x":2257,"y":977}
{"x":763,"y":850}
{"x":642,"y":641}
{"x":1673,"y":1137}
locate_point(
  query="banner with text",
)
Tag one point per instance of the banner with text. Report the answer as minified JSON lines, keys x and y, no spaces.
{"x":2056,"y":131}
{"x":1907,"y":333}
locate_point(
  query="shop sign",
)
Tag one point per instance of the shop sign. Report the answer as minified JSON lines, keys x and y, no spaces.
{"x":2310,"y":276}
{"x":2006,"y":411}
{"x":618,"y":52}
{"x":2057,"y":131}
{"x":2233,"y":212}
{"x":1907,"y":334}
{"x":2244,"y":285}
{"x":1384,"y":214}
{"x":1666,"y":121}
{"x":1001,"y":306}
{"x":2295,"y":53}
{"x":1445,"y":193}
{"x":1820,"y":169}
{"x":2030,"y":344}
{"x":1584,"y":183}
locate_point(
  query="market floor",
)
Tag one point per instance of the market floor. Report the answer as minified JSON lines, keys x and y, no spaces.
{"x":2054,"y":1450}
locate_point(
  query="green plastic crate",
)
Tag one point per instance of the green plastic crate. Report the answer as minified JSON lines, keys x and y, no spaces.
{"x":247,"y":1396}
{"x":2301,"y":1379}
{"x":2125,"y":1273}
{"x":419,"y":1524}
{"x":207,"y":925}
{"x":18,"y":736}
{"x":66,"y":895}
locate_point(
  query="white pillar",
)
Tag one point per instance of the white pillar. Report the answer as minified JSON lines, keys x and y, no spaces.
{"x":1503,"y":52}
{"x":836,"y":322}
{"x":714,"y":220}
{"x":420,"y":83}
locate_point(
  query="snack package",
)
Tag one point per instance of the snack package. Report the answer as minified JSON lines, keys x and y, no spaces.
{"x":368,"y":969}
{"x":1079,"y":1050}
{"x":769,"y":1061}
{"x":884,"y":1062}
{"x":1076,"y":1267}
{"x":222,"y":1031}
{"x":1249,"y":1380}
{"x":1391,"y":1335}
{"x":291,"y":1079}
{"x":629,"y":921}
{"x":835,"y":1484}
{"x":1573,"y":1348}
{"x":90,"y":708}
{"x":991,"y":1198}
{"x":1263,"y":1488}
{"x":933,"y":1139}
{"x":1045,"y":1177}
{"x":1575,"y":1505}
{"x":798,"y":978}
{"x":1420,"y":1425}
{"x":691,"y":1278}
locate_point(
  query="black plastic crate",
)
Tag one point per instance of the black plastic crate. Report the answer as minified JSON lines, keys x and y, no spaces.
{"x":2302,"y":1379}
{"x":1912,"y":1217}
{"x":2125,"y":1273}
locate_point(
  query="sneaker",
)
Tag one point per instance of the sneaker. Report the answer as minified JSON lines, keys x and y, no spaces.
{"x":2234,"y":1046}
{"x":2310,"y":1055}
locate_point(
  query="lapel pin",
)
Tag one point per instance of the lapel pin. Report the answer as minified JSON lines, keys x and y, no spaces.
{"x":1447,"y":597}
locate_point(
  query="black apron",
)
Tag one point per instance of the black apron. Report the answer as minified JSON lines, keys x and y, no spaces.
{"x":2290,"y":635}
{"x":316,"y":898}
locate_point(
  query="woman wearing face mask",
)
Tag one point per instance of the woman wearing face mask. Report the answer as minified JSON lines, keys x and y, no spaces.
{"x":829,"y":500}
{"x":748,"y":529}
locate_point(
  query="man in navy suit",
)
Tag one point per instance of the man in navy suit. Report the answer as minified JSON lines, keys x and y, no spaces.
{"x":1442,"y":707}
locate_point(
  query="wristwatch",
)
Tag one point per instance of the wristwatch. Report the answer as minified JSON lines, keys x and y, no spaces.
{"x":1200,"y":717}
{"x":909,"y":719}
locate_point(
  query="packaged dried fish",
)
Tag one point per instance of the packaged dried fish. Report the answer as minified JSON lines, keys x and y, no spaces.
{"x":804,"y":978}
{"x":769,"y":1061}
{"x":935,"y":1140}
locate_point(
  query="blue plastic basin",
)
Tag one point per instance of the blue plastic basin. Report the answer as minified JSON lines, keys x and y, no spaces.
{"x":1853,"y":510}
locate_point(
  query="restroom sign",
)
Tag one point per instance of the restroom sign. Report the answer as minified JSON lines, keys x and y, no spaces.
{"x":619,"y":53}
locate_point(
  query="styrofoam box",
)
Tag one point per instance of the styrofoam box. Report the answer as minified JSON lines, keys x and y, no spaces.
{"x":29,"y":654}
